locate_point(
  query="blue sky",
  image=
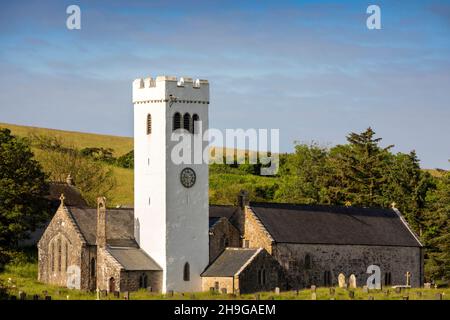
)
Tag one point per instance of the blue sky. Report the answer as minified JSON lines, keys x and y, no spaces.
{"x":310,"y":68}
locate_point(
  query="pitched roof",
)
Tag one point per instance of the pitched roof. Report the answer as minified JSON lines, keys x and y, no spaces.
{"x":218,"y":211}
{"x":133,"y":259}
{"x":72,"y":196}
{"x":230,"y":261}
{"x":290,"y":223}
{"x":119,"y":224}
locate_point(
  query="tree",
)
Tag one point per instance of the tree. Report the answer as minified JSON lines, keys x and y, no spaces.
{"x":437,"y":231}
{"x":359,"y":168}
{"x":23,"y":186}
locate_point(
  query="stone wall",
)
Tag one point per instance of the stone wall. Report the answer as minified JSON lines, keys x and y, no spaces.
{"x":347,"y":259}
{"x":223,"y":234}
{"x":107,"y":268}
{"x":263,"y":265}
{"x":219,"y":283}
{"x":255,"y":233}
{"x":130,"y":280}
{"x":60,"y":248}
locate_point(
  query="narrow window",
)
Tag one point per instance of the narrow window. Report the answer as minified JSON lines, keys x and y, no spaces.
{"x":327,"y":278}
{"x":52,"y":256}
{"x":149,"y":123}
{"x":143,"y":281}
{"x":66,"y":258}
{"x":387,"y":279}
{"x":195,"y":119}
{"x":264,"y":276}
{"x":59,"y":255}
{"x":186,"y":272}
{"x":93,"y":270}
{"x":259,"y":276}
{"x":176,"y":121}
{"x":307,"y":262}
{"x":187,"y":122}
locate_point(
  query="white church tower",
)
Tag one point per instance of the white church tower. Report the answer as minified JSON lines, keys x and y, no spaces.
{"x":171,"y":199}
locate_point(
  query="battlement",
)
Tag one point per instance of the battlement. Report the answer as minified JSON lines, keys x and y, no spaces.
{"x":164,"y":88}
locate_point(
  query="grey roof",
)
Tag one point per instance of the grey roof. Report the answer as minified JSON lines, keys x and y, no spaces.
{"x":290,"y":223}
{"x":72,"y":196}
{"x":229,"y":262}
{"x":218,"y":211}
{"x":133,"y":259}
{"x":119,"y":223}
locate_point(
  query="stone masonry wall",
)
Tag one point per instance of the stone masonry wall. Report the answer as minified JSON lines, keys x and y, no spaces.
{"x":347,"y":259}
{"x":223,"y":282}
{"x":223,"y":234}
{"x":255,"y":233}
{"x":130,"y":280}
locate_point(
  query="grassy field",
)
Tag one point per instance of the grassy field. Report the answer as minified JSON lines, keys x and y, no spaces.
{"x":23,"y":278}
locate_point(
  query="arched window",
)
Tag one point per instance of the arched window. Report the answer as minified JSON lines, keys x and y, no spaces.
{"x":93,"y":270}
{"x":195,"y":118}
{"x":59,"y":255}
{"x":149,"y":123}
{"x":52,"y":256}
{"x":307,"y":261}
{"x":187,"y":122}
{"x":186,"y":272}
{"x":66,"y":256}
{"x":143,"y":281}
{"x":176,"y":121}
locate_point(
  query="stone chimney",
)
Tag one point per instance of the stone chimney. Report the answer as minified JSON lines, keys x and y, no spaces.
{"x":243,"y":199}
{"x":101,"y":221}
{"x":69,"y":180}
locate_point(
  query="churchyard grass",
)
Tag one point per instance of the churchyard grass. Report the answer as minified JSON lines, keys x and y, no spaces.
{"x":23,"y":277}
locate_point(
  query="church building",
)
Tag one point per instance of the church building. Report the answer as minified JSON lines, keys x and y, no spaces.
{"x":174,"y":240}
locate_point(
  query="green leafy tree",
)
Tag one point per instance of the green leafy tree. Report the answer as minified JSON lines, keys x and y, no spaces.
{"x":23,"y":187}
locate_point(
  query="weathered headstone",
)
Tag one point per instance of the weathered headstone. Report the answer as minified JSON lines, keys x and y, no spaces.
{"x":22,"y":295}
{"x":427,"y":285}
{"x":313,"y":288}
{"x":352,"y":281}
{"x":277,"y":290}
{"x":408,"y":278}
{"x":341,"y":280}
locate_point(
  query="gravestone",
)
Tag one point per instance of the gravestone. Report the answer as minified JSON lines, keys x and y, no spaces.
{"x":408,"y":278}
{"x":277,"y":291}
{"x":341,"y":280}
{"x":427,"y":285}
{"x":22,"y":295}
{"x":313,"y":295}
{"x":313,"y":288}
{"x":398,"y":290}
{"x":352,"y":281}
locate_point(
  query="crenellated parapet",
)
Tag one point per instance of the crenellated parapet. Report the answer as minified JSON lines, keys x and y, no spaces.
{"x":170,"y":89}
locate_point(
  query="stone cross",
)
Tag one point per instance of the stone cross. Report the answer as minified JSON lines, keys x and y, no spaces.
{"x":62,"y":198}
{"x":408,"y":278}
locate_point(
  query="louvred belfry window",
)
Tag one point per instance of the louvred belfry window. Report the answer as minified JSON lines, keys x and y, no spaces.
{"x":149,"y":123}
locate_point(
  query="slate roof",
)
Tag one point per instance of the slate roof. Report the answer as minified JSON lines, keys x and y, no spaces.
{"x":119,"y":224}
{"x":230,"y":261}
{"x":288,"y":223}
{"x":218,"y":211}
{"x":71,"y":193}
{"x":133,"y":259}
